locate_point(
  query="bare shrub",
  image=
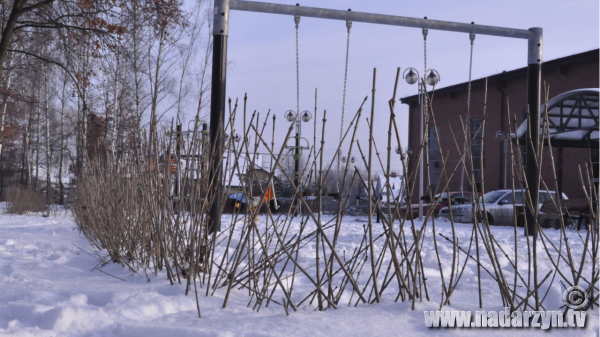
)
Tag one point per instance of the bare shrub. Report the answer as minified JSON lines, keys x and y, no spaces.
{"x":133,"y":208}
{"x":22,"y":201}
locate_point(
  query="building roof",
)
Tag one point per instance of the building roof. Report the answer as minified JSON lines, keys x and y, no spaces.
{"x":506,"y":75}
{"x":572,"y":119}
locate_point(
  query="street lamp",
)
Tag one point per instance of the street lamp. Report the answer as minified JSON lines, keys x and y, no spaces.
{"x":411,"y":76}
{"x":290,"y":116}
{"x":504,"y":138}
{"x":433,"y":78}
{"x":344,"y":159}
{"x":306,"y":116}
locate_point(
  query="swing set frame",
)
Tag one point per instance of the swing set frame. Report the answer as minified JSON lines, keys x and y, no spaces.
{"x":534,"y":37}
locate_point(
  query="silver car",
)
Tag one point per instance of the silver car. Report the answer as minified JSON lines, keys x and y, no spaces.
{"x":499,"y":206}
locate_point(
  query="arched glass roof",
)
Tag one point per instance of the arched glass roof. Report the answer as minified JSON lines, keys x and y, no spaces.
{"x":572,"y":118}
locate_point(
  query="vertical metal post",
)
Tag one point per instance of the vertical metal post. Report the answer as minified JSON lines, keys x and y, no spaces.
{"x":297,"y":168}
{"x":217,"y":109}
{"x":559,"y":169}
{"x":298,"y":125}
{"x":421,"y":178}
{"x":534,"y":80}
{"x":505,"y":150}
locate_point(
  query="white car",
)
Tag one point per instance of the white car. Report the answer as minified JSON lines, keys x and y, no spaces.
{"x":499,"y":206}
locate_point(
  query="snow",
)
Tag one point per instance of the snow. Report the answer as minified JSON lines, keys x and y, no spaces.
{"x":50,"y":287}
{"x":396,"y":185}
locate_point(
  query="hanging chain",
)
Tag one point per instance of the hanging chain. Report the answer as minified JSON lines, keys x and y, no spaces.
{"x":472,"y":38}
{"x":297,"y":21}
{"x":462,"y":177}
{"x":348,"y":26}
{"x":423,"y":97}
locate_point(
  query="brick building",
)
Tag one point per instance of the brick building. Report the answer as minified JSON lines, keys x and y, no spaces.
{"x":560,"y":75}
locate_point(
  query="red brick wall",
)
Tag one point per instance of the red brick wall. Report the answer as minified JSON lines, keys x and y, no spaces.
{"x":448,"y":105}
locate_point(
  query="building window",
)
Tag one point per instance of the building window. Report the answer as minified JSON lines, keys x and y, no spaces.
{"x":434,"y":157}
{"x":477,"y":151}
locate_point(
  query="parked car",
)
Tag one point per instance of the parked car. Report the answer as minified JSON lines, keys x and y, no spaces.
{"x":456,"y":198}
{"x":499,"y":206}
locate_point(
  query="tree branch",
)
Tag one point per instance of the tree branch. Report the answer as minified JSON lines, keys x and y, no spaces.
{"x":35,"y":6}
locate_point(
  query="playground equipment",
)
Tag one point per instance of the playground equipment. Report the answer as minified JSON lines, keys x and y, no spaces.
{"x":534,"y":37}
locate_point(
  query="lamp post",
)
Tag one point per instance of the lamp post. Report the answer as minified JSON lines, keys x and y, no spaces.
{"x":290,"y":116}
{"x":352,"y":159}
{"x":504,"y":138}
{"x":432,"y":79}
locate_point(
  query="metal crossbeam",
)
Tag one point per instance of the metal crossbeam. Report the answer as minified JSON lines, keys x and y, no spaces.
{"x":392,"y":20}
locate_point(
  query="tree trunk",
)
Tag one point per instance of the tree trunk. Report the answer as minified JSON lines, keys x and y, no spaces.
{"x":2,"y":123}
{"x":61,"y":186}
{"x":48,"y":150}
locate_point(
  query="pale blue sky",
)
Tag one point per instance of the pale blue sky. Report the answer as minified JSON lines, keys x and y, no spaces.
{"x":262,"y":51}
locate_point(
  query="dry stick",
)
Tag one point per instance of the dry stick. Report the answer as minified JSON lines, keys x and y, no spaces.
{"x":196,"y":228}
{"x":474,"y":259}
{"x":409,"y":191}
{"x":455,"y":282}
{"x":277,"y":163}
{"x":319,"y":200}
{"x":470,"y":177}
{"x":378,"y":264}
{"x":473,"y":231}
{"x":415,"y":235}
{"x":524,"y":185}
{"x":558,"y":201}
{"x":476,"y":210}
{"x":486,"y":228}
{"x":303,"y":224}
{"x":354,"y":260}
{"x":587,"y":238}
{"x":339,"y":211}
{"x":536,"y":211}
{"x":392,"y":243}
{"x":335,"y":255}
{"x":307,"y":181}
{"x":341,"y":206}
{"x":594,"y":228}
{"x":370,"y":224}
{"x":244,"y":230}
{"x":514,"y":266}
{"x":390,"y":235}
{"x":445,"y":289}
{"x":536,"y":289}
{"x":244,"y":241}
{"x":289,"y":254}
{"x":443,"y":171}
{"x":405,"y":253}
{"x":512,"y":171}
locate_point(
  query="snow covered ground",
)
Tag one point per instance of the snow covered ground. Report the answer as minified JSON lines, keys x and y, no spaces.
{"x":49,"y":287}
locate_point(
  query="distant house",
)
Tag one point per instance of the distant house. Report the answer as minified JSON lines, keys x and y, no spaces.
{"x":234,"y":175}
{"x":396,"y":188}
